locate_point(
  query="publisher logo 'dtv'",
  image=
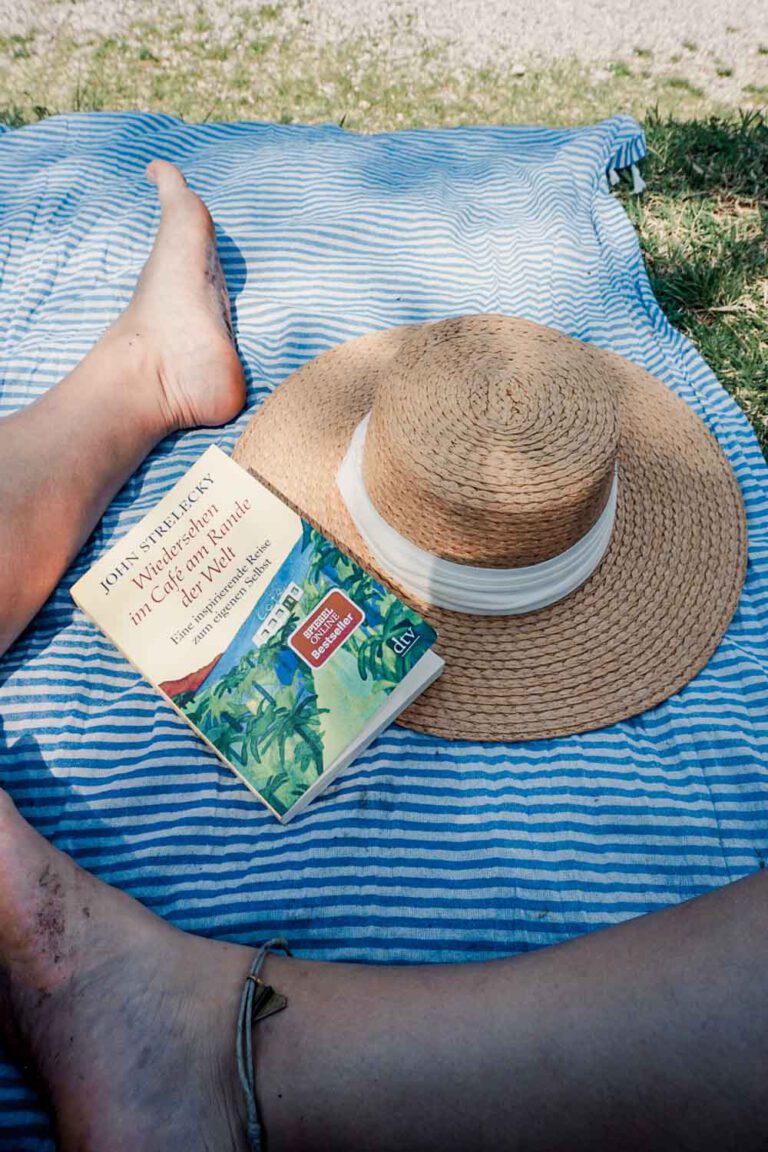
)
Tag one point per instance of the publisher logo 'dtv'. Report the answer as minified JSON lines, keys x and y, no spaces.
{"x":326,"y":628}
{"x":402,"y":643}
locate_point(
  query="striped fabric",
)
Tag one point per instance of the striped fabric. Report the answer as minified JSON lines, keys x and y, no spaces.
{"x":424,"y":850}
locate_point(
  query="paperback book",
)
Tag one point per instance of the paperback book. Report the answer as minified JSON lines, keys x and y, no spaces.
{"x":283,"y":654}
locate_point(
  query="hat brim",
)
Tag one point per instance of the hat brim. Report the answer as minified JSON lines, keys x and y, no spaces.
{"x":647,"y":620}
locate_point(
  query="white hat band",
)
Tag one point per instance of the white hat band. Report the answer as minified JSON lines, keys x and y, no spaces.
{"x":464,"y":587}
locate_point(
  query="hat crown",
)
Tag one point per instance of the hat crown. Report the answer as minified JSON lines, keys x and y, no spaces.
{"x":490,"y":447}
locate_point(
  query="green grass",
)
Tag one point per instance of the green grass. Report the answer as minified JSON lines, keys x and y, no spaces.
{"x":703,"y":226}
{"x":261,"y":68}
{"x":702,"y":222}
{"x":680,"y":84}
{"x":17,"y":47}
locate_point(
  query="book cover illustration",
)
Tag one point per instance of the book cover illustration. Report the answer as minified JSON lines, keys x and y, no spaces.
{"x":275,"y":646}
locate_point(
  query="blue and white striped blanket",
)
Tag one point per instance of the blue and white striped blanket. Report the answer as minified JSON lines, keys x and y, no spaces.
{"x":424,"y":850}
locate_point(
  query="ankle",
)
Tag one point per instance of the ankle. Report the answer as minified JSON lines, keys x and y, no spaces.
{"x":142,"y":390}
{"x":267,"y":1035}
{"x":226,"y":1091}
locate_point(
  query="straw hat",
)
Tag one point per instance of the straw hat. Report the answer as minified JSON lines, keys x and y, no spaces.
{"x":579,"y":525}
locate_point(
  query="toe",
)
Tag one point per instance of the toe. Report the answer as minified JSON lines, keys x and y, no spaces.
{"x":181,"y":207}
{"x":167,"y":178}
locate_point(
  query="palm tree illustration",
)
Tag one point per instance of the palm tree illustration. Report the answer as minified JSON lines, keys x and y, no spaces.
{"x":273,"y":645}
{"x":327,"y":560}
{"x":196,"y":708}
{"x":361,"y":587}
{"x":292,"y":721}
{"x":221,"y":710}
{"x":264,"y":710}
{"x":375,"y":656}
{"x":207,"y":709}
{"x":227,"y":735}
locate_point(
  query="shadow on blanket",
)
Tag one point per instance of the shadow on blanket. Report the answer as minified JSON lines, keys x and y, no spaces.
{"x":51,"y":804}
{"x":235,"y":270}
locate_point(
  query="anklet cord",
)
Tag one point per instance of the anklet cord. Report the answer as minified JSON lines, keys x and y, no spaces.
{"x":259,"y":1000}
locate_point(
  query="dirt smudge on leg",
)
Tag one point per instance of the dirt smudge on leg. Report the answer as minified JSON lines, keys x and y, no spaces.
{"x":50,"y":920}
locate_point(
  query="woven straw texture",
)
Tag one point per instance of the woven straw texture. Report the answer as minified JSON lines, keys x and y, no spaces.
{"x":492,"y":441}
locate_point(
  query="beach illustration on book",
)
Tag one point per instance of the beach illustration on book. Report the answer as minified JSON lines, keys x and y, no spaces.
{"x":315,"y":659}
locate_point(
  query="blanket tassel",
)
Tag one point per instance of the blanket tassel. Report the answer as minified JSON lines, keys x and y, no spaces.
{"x":638,"y":184}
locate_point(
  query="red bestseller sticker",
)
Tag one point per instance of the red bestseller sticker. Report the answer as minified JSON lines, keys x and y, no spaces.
{"x":326,"y":628}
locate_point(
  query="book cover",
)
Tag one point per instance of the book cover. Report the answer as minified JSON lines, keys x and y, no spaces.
{"x":280,"y":651}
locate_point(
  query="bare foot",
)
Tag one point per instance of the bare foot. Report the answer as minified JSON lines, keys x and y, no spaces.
{"x":180,"y":311}
{"x":127,"y":1024}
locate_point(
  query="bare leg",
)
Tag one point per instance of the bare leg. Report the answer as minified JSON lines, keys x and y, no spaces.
{"x":168,"y":362}
{"x":652,"y":1035}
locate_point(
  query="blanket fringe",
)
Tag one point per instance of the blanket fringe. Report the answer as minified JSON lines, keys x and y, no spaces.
{"x":638,"y":184}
